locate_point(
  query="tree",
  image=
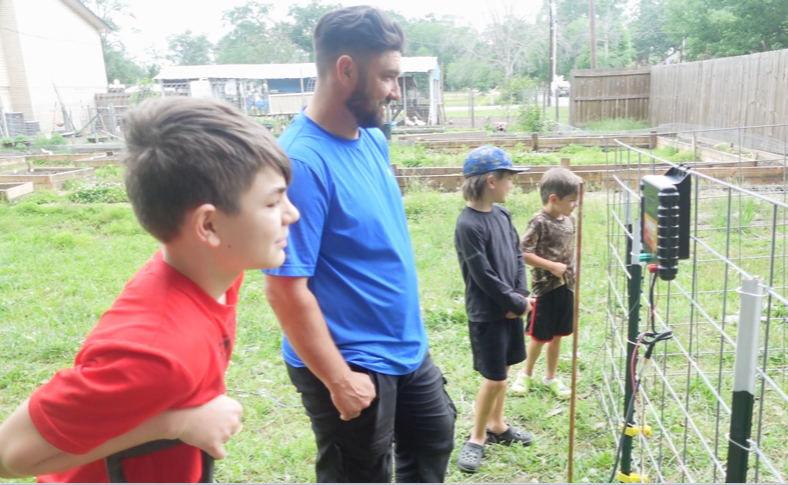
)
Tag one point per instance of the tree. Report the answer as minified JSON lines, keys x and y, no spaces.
{"x":650,"y":39}
{"x":256,"y":38}
{"x":509,"y":37}
{"x":186,"y":49}
{"x":304,"y":21}
{"x":718,"y":28}
{"x":118,"y":63}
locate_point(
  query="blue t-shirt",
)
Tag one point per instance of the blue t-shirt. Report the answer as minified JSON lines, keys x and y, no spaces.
{"x":352,"y":242}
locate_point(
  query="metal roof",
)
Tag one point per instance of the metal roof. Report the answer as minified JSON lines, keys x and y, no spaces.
{"x":273,"y":71}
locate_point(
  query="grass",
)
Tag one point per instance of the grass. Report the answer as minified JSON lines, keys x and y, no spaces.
{"x":419,"y":156}
{"x":608,"y":125}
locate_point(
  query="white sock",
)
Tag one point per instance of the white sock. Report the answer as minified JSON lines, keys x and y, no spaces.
{"x":522,"y":373}
{"x":547,"y":382}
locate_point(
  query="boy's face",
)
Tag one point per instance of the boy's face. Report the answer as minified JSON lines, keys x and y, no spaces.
{"x":566,"y":205}
{"x":255,"y":237}
{"x":500,"y":187}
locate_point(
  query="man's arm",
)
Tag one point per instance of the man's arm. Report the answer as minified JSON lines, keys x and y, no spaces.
{"x":305,"y":326}
{"x":24,"y":452}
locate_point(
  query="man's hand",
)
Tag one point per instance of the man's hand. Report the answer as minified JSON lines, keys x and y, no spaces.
{"x":557,"y":268}
{"x":211,"y":425}
{"x":352,"y":394}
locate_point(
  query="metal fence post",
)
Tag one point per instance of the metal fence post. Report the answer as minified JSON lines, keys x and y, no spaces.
{"x":634,"y":289}
{"x":745,"y":364}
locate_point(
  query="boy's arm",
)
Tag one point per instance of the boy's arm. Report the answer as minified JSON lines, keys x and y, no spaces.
{"x":24,"y":452}
{"x":471,"y":249}
{"x":521,"y":282}
{"x":555,"y":267}
{"x":303,"y":323}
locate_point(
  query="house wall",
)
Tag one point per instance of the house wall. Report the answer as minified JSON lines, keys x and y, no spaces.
{"x":58,"y":47}
{"x":14,"y":92}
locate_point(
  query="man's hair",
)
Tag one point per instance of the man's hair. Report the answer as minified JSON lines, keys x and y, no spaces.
{"x":559,"y":181}
{"x":474,"y":186}
{"x":356,"y":31}
{"x":184,"y":152}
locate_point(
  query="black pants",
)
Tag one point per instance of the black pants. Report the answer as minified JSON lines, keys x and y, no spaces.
{"x":413,"y":411}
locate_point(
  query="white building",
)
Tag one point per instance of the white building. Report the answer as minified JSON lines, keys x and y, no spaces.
{"x":48,"y":43}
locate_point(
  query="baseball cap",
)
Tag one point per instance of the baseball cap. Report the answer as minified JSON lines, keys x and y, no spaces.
{"x":486,"y":159}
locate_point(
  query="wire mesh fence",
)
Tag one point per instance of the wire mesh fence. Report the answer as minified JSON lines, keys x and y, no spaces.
{"x":683,"y":405}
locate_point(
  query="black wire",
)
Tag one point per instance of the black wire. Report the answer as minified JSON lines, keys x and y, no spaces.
{"x":651,"y":302}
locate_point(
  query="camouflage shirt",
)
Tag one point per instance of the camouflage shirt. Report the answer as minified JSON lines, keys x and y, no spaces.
{"x":552,"y":239}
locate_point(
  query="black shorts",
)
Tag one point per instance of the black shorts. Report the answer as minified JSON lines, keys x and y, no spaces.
{"x":496,"y":345}
{"x":552,"y":315}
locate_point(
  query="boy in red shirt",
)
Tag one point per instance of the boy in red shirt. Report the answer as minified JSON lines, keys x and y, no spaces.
{"x":210,"y":184}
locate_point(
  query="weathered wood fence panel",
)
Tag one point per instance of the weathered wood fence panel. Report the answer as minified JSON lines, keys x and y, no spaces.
{"x":749,"y":90}
{"x":609,"y":93}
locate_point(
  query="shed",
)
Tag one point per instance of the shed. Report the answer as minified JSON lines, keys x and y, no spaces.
{"x":285,"y":88}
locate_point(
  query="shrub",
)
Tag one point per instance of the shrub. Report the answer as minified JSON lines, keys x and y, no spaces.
{"x":529,"y":118}
{"x":108,"y":192}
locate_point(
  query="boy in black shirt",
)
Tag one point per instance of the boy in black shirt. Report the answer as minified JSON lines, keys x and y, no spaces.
{"x":493,"y":269}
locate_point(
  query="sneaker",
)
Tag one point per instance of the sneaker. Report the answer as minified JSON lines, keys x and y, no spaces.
{"x":521,"y":385}
{"x":559,"y":390}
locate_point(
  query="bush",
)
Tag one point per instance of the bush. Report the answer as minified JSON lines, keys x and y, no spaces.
{"x":529,"y":118}
{"x":108,"y":192}
{"x":43,"y":141}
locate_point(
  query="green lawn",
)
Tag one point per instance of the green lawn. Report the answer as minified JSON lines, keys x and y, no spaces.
{"x":62,"y":264}
{"x":419,"y":156}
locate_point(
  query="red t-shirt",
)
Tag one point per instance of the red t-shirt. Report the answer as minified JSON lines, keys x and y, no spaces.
{"x":164,"y":344}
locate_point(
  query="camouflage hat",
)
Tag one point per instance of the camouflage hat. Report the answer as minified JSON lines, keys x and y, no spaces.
{"x":487,"y":159}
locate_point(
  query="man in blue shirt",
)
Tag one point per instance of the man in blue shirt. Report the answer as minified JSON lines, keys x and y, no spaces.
{"x":347,"y":296}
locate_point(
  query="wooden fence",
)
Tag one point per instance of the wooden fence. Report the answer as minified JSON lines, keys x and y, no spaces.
{"x":609,"y":93}
{"x":738,"y":91}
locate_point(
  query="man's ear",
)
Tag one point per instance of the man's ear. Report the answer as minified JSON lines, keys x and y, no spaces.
{"x":346,"y":72}
{"x":201,"y":225}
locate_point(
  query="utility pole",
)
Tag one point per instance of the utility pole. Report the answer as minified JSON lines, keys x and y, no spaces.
{"x":592,"y":25}
{"x":551,"y":69}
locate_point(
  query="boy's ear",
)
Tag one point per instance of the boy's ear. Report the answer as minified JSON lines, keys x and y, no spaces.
{"x":553,"y":198}
{"x":491,"y":181}
{"x":200,"y":224}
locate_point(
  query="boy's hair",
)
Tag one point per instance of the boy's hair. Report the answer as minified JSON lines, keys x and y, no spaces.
{"x":184,"y":152}
{"x":473,"y":187}
{"x":559,"y":181}
{"x":356,"y":31}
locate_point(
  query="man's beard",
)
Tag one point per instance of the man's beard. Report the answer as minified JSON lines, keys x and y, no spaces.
{"x":365,"y":110}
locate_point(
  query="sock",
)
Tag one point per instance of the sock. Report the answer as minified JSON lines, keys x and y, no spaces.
{"x":547,"y":382}
{"x":522,"y":373}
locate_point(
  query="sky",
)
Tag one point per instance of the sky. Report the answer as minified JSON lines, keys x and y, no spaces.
{"x":146,"y":34}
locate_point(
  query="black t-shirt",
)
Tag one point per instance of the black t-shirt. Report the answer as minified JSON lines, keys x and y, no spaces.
{"x":492,"y":264}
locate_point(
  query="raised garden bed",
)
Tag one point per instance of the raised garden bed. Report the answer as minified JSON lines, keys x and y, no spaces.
{"x":99,"y":162}
{"x":15,"y":190}
{"x":51,"y":178}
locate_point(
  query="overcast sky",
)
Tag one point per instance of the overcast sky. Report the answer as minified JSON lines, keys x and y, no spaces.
{"x":155,"y":20}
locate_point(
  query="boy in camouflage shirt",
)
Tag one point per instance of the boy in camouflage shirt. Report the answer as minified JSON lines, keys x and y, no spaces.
{"x":548,"y":247}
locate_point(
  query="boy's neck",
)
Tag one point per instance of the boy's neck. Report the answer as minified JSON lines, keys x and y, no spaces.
{"x":552,"y":211}
{"x":482,"y":205}
{"x":201,"y":269}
